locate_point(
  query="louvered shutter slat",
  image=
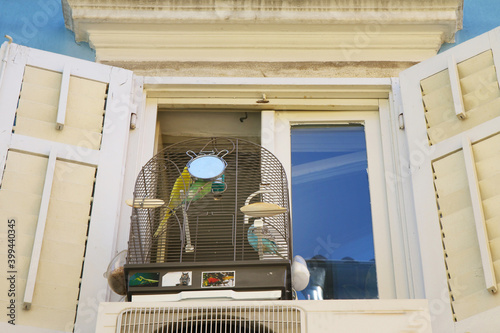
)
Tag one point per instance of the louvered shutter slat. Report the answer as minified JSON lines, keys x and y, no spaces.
{"x":478,"y":98}
{"x":450,"y":183}
{"x":483,"y":76}
{"x":489,"y":167}
{"x":493,"y":225}
{"x":489,"y":186}
{"x":458,"y":222}
{"x":475,"y":64}
{"x":47,"y":131}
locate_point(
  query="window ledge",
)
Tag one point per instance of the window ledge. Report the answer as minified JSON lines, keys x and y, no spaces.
{"x":338,"y":315}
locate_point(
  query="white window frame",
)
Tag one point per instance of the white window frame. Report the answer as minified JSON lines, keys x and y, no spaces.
{"x":400,"y":268}
{"x":370,"y":120}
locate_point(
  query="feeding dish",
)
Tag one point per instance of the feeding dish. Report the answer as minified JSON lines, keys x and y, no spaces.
{"x":116,"y":274}
{"x":262,"y":209}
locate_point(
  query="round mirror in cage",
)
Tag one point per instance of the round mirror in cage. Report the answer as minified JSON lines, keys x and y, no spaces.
{"x":206,"y":167}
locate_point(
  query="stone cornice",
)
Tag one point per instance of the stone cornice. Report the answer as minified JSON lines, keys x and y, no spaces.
{"x":263,"y":30}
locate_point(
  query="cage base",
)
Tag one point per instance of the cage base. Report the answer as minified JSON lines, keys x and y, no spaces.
{"x":239,"y":276}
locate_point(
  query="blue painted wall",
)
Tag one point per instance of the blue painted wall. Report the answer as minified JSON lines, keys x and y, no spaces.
{"x":40,"y":24}
{"x":480,"y":16}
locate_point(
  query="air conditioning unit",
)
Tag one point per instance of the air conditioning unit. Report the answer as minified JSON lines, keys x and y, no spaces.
{"x":249,"y":318}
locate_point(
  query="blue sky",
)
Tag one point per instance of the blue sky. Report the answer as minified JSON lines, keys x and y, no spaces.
{"x":480,"y":16}
{"x":40,"y":24}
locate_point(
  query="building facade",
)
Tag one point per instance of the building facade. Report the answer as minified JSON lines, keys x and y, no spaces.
{"x":333,"y":89}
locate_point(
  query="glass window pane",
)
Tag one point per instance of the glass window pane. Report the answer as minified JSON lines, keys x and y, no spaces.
{"x":332,"y":224}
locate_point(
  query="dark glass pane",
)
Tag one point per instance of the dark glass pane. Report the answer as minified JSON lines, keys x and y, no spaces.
{"x":332,"y":225}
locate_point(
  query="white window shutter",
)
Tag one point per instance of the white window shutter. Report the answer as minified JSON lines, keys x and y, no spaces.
{"x":64,"y":126}
{"x":452,"y":114}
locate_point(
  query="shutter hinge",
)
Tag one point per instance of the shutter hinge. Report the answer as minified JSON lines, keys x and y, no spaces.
{"x":133,"y":117}
{"x":401,"y":121}
{"x":5,"y":58}
{"x":136,"y":100}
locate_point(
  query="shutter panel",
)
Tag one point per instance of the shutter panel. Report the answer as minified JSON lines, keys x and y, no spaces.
{"x":38,"y":106}
{"x":63,"y":246}
{"x":479,"y":94}
{"x":452,"y":107}
{"x":64,"y":128}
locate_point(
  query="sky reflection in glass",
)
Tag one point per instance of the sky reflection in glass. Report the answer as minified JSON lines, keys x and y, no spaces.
{"x":330,"y":196}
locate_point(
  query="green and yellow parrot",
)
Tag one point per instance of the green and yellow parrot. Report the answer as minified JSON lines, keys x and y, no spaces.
{"x":181,"y":184}
{"x":198,"y":190}
{"x":178,"y":197}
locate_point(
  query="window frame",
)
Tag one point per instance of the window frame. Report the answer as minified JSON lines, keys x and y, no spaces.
{"x":370,"y":120}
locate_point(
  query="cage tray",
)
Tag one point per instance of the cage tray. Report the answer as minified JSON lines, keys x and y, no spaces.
{"x":171,"y":278}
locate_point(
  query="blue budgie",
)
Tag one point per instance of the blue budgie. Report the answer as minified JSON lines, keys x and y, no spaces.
{"x":268,"y":244}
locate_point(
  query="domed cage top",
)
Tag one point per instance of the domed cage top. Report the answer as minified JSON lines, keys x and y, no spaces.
{"x":189,"y":203}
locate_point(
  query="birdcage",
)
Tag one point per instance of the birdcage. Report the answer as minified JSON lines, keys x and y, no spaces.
{"x":210,"y":214}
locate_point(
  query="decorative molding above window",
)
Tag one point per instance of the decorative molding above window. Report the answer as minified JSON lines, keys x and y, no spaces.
{"x":128,"y":31}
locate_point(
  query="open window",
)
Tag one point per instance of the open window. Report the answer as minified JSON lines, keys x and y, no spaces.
{"x":384,"y":272}
{"x":451,"y":109}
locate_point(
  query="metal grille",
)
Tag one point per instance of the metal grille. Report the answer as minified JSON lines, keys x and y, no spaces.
{"x":220,"y":319}
{"x":210,"y":228}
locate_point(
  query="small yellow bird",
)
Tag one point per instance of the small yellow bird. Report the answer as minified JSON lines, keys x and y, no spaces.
{"x":181,"y":185}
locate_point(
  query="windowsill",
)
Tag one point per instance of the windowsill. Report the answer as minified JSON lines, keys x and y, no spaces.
{"x":315,"y":316}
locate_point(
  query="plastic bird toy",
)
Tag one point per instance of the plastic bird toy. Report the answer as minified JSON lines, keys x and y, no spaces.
{"x":261,"y":241}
